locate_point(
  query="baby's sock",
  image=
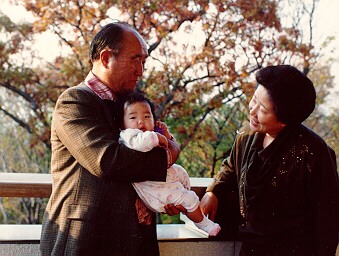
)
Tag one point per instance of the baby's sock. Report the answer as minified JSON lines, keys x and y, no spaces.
{"x":209,"y":226}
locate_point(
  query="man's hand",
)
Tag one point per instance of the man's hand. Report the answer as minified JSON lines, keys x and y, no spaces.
{"x":174,"y":210}
{"x":174,"y":148}
{"x":209,"y":205}
{"x":163,"y":142}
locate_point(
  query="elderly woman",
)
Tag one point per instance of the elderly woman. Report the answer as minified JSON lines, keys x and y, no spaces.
{"x":283,"y":174}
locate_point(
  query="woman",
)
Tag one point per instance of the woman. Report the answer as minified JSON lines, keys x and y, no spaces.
{"x":285,"y":175}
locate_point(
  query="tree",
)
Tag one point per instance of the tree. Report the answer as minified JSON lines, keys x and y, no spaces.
{"x":203,"y":55}
{"x":17,"y":155}
{"x":324,"y":121}
{"x":24,"y":144}
{"x":188,"y":79}
{"x":203,"y":156}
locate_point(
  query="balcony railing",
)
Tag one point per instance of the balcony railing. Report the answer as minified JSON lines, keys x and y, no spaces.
{"x":174,"y":239}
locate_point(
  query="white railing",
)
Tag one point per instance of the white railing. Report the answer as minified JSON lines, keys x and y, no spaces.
{"x":174,"y":239}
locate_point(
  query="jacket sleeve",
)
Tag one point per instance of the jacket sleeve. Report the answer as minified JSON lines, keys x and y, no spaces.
{"x":325,"y":197}
{"x":139,"y":140}
{"x":83,"y":129}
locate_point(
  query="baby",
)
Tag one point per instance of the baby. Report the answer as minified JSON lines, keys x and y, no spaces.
{"x":138,"y":134}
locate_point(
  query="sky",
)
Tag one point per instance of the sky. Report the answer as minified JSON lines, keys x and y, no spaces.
{"x":326,"y":24}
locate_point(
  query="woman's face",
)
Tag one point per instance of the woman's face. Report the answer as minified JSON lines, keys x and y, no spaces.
{"x":262,"y":116}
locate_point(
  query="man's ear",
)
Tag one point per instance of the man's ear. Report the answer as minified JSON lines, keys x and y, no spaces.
{"x":105,"y":56}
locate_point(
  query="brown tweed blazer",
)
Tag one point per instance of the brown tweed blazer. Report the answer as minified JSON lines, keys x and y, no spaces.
{"x":91,"y":210}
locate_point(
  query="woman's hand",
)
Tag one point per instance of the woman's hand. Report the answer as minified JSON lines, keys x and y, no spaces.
{"x":209,"y":205}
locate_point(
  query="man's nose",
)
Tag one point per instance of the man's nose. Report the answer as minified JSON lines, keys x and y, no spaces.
{"x":140,"y":69}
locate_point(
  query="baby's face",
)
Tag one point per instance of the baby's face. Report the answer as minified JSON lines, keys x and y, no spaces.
{"x":138,"y":116}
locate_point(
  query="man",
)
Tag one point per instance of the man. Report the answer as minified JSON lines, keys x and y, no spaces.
{"x":91,"y":210}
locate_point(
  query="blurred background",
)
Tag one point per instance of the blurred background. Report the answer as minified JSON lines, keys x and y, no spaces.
{"x":200,"y":73}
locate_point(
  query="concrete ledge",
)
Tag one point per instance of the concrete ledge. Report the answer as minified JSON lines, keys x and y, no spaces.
{"x":199,"y":248}
{"x":19,"y":248}
{"x":165,"y":232}
{"x":174,"y":240}
{"x":18,"y":232}
{"x":215,"y":248}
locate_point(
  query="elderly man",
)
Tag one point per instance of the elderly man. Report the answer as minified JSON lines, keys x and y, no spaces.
{"x":91,"y":210}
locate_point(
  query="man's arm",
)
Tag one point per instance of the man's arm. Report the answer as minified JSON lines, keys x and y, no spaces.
{"x":82,"y":127}
{"x":174,"y":149}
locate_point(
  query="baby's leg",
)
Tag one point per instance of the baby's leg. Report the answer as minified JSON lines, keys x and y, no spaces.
{"x":191,"y":203}
{"x":195,"y":216}
{"x":178,"y":173}
{"x":157,"y":194}
{"x":202,"y":222}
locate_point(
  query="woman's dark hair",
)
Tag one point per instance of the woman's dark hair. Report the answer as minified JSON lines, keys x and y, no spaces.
{"x":135,"y":97}
{"x":292,"y":93}
{"x":110,"y":36}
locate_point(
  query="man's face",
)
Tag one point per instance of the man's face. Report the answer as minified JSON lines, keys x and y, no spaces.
{"x":125,"y":69}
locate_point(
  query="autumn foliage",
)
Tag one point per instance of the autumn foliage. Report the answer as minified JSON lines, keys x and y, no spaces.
{"x":203,"y":55}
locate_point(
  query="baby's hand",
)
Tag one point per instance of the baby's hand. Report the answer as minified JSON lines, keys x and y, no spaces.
{"x":164,"y":127}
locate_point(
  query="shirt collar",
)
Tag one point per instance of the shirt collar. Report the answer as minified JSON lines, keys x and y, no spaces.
{"x":98,"y":87}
